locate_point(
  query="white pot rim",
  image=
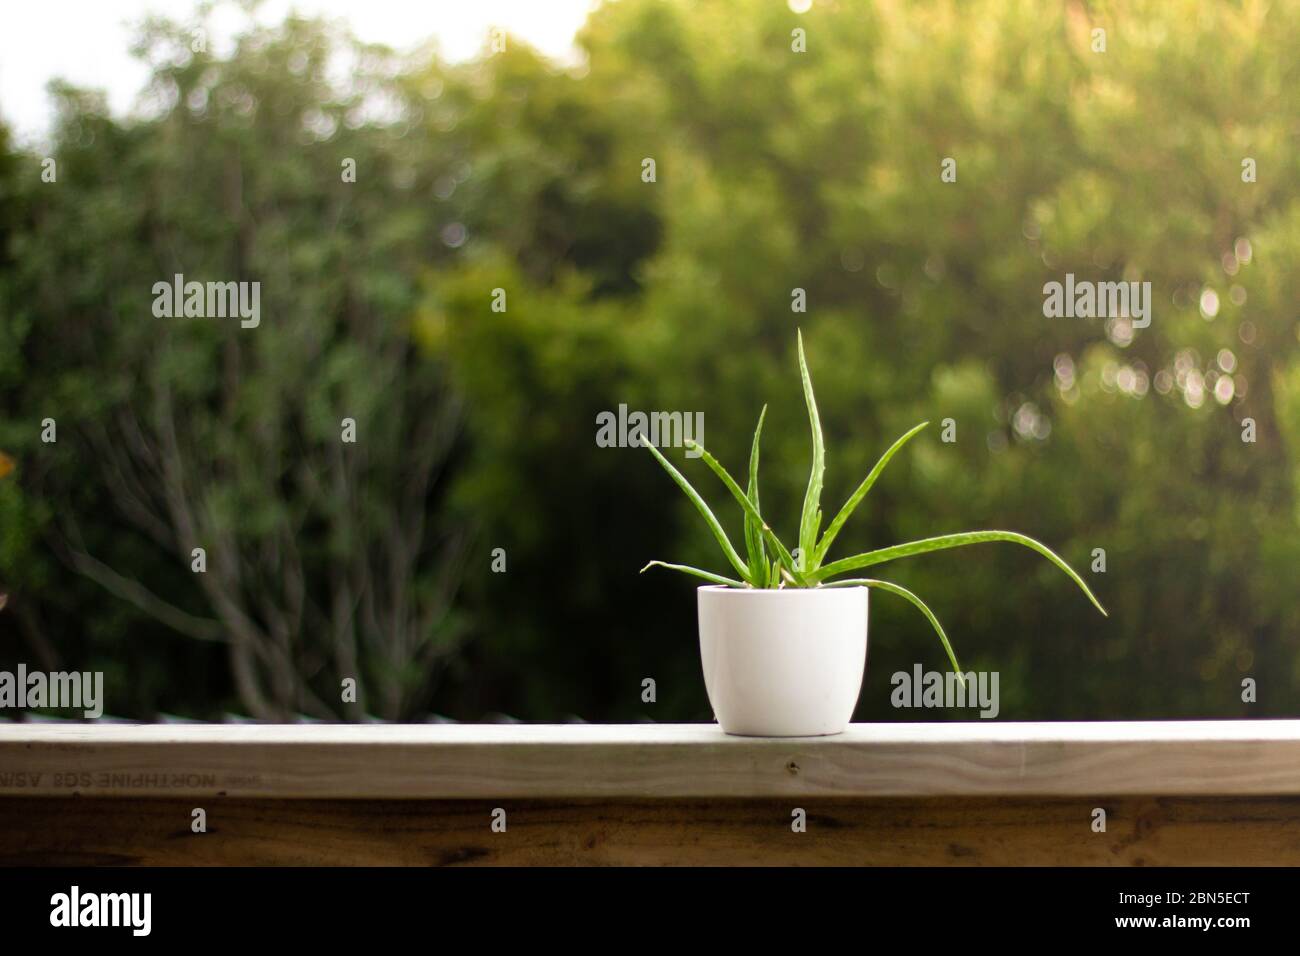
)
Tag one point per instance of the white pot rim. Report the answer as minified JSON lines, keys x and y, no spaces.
{"x":809,"y":592}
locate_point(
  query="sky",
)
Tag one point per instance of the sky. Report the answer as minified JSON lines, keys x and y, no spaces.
{"x":88,"y":41}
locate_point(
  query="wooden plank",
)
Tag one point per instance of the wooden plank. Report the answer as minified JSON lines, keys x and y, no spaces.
{"x":657,"y":761}
{"x":971,"y":831}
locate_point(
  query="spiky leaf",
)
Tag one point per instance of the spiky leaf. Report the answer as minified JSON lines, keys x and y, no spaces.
{"x":687,"y":569}
{"x":903,"y":592}
{"x":753,"y":528}
{"x":855,"y":499}
{"x":783,"y":554}
{"x":942,"y":542}
{"x":809,"y":520}
{"x":705,"y":512}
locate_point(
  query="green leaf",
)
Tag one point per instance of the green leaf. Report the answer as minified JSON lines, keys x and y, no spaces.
{"x":908,"y":595}
{"x":855,"y":499}
{"x":949,"y":541}
{"x":723,"y":541}
{"x":753,"y":528}
{"x":686,"y":568}
{"x":812,"y":498}
{"x":786,"y":559}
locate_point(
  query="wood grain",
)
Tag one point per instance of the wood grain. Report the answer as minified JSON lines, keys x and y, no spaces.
{"x":888,"y":831}
{"x":651,"y":761}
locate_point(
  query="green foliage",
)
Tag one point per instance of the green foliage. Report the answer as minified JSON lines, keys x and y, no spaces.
{"x":821,"y":171}
{"x":325,"y":560}
{"x":776,"y":171}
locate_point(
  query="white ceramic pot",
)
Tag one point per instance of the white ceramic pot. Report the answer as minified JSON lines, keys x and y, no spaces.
{"x":783,"y":663}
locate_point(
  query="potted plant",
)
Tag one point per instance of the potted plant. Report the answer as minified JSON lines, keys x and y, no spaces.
{"x":783,"y":643}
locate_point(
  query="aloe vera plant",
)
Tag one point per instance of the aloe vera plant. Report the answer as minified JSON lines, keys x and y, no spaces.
{"x":768,"y":563}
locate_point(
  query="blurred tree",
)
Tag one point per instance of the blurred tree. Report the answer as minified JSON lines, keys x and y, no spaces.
{"x":820,"y":171}
{"x":325,"y":559}
{"x":776,"y":170}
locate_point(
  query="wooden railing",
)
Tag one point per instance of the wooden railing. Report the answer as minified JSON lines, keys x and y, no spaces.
{"x":1194,"y":792}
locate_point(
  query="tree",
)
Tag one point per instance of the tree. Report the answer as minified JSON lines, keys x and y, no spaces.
{"x":322,"y":558}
